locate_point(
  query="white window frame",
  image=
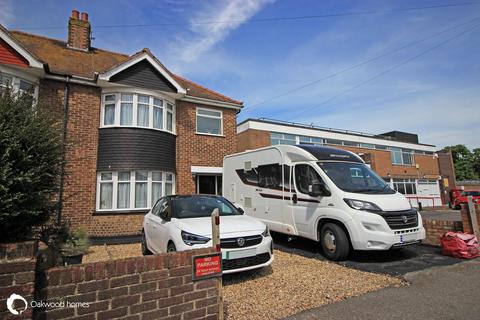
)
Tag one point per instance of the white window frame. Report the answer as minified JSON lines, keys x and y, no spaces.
{"x":116,"y":123}
{"x":16,"y":78}
{"x":132,"y":189}
{"x":402,"y":152}
{"x":212,"y":117}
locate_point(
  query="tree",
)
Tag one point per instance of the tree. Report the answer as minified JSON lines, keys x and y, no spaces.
{"x":30,"y":165}
{"x":464,"y":162}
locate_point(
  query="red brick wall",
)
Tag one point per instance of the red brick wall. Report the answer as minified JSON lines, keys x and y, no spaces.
{"x":149,"y":287}
{"x":200,"y":150}
{"x":467,"y":222}
{"x":81,"y":154}
{"x":17,"y":275}
{"x":436,"y":228}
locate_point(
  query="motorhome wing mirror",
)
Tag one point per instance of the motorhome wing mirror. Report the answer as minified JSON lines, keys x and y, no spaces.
{"x":240,"y":209}
{"x":318,"y":189}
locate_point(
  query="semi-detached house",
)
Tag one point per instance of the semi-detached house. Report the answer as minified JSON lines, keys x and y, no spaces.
{"x":135,"y":131}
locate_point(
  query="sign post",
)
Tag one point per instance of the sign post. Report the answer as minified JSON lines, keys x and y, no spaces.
{"x":473,"y":217}
{"x":216,"y":244}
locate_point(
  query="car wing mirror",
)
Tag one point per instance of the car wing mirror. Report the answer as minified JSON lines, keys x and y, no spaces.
{"x":240,"y":208}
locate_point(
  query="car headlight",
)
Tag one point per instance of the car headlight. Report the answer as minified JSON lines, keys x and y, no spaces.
{"x":266,"y":233}
{"x":191,"y":239}
{"x":362,"y":205}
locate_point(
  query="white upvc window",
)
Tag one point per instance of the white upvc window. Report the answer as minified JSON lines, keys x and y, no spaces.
{"x":18,"y":84}
{"x":132,"y":190}
{"x":402,"y":156}
{"x":209,"y":121}
{"x":132,"y":109}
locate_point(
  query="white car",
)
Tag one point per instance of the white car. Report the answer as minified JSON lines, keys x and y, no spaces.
{"x":179,"y":223}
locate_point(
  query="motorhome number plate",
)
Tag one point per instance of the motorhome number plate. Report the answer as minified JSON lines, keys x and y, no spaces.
{"x":228,"y":255}
{"x":407,"y":237}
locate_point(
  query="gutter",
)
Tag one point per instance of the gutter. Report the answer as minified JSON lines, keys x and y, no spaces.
{"x":64,"y":141}
{"x":72,"y":79}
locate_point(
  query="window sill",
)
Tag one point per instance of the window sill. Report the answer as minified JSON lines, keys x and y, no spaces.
{"x":120,"y":212}
{"x":137,"y":127}
{"x":210,"y":134}
{"x":403,"y":165}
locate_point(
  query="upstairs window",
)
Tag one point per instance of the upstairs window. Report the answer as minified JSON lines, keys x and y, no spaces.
{"x":18,"y":84}
{"x":282,"y":138}
{"x":209,"y":121}
{"x":129,"y":109}
{"x":402,"y":156}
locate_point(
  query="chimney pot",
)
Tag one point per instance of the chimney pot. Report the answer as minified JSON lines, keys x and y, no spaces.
{"x":79,"y":31}
{"x":84,"y":16}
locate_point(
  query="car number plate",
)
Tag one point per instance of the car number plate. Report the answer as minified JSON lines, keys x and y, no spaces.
{"x":408,"y":237}
{"x":228,"y":255}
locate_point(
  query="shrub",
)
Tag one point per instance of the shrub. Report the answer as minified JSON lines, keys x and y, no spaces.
{"x":30,"y":165}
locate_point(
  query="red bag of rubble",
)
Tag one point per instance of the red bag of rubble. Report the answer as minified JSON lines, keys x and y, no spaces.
{"x":460,"y":245}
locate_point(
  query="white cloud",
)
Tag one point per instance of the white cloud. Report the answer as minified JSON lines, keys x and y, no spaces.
{"x":6,"y":13}
{"x":203,"y":37}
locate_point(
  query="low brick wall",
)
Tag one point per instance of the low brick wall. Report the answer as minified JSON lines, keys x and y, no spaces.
{"x":139,"y":288}
{"x":467,"y":222}
{"x":17,"y":275}
{"x":436,"y":228}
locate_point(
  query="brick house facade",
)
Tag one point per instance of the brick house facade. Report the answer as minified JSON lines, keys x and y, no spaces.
{"x":134,"y":130}
{"x":410,"y":167}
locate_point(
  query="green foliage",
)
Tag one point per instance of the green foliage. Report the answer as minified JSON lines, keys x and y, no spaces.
{"x":77,"y":243}
{"x":467,"y":163}
{"x":30,"y":165}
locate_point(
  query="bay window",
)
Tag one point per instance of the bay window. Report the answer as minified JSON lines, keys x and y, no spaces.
{"x":209,"y":121}
{"x":131,"y":190}
{"x":130,"y":109}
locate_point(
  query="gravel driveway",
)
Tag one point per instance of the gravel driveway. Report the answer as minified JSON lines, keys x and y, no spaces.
{"x":291,"y":284}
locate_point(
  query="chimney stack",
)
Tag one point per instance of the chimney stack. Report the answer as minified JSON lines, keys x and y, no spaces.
{"x":79,"y":31}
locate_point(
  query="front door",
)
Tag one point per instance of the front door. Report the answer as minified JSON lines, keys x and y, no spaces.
{"x":305,"y":208}
{"x":209,"y":184}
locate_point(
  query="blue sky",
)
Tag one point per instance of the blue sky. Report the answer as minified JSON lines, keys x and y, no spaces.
{"x":436,"y":95}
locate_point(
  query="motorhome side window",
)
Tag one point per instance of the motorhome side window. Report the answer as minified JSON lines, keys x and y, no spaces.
{"x":305,"y":175}
{"x":270,"y":176}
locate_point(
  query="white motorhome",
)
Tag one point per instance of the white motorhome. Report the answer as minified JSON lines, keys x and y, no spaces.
{"x":321,"y":193}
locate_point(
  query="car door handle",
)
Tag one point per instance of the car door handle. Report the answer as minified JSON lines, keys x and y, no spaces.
{"x":294,"y":198}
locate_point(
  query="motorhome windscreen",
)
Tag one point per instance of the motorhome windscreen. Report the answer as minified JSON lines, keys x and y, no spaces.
{"x":200,"y":207}
{"x":354,"y":177}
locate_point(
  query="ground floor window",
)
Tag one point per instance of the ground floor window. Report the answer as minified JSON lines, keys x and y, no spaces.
{"x":126,"y":190}
{"x":209,"y":184}
{"x":405,"y":186}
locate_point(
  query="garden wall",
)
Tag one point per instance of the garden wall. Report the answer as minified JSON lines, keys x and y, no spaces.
{"x":17,"y":275}
{"x":137,"y":288}
{"x":467,"y":222}
{"x":434,"y":229}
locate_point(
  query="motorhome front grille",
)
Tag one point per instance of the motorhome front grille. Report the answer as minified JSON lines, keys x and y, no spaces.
{"x":245,"y":262}
{"x":401,"y":220}
{"x":239,"y":243}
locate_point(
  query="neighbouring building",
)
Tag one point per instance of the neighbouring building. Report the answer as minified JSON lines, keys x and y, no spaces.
{"x":134,"y":130}
{"x":410,"y":167}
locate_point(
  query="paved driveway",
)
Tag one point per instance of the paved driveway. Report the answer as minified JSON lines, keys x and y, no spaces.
{"x":396,"y":262}
{"x":449,"y":292}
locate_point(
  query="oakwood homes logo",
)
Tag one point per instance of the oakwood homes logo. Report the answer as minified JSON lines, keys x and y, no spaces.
{"x":17,"y":304}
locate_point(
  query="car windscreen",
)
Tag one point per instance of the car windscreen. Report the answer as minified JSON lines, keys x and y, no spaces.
{"x":354,"y":177}
{"x":199,"y":207}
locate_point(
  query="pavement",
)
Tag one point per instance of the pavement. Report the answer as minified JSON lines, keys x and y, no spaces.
{"x":392,"y":262}
{"x":447,"y":292}
{"x":448,"y":215}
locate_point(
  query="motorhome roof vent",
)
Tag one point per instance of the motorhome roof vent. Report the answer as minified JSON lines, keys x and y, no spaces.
{"x":247,"y":166}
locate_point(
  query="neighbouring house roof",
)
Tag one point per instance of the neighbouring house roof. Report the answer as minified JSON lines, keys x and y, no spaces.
{"x":67,"y":61}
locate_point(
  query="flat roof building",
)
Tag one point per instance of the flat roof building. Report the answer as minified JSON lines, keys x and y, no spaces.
{"x":410,"y":167}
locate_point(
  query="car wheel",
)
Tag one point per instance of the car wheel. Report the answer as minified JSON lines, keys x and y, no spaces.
{"x":145,"y":250}
{"x":334,"y":241}
{"x":171,"y":247}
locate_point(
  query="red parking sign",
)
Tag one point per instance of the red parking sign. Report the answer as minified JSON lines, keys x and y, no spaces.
{"x":207,"y":266}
